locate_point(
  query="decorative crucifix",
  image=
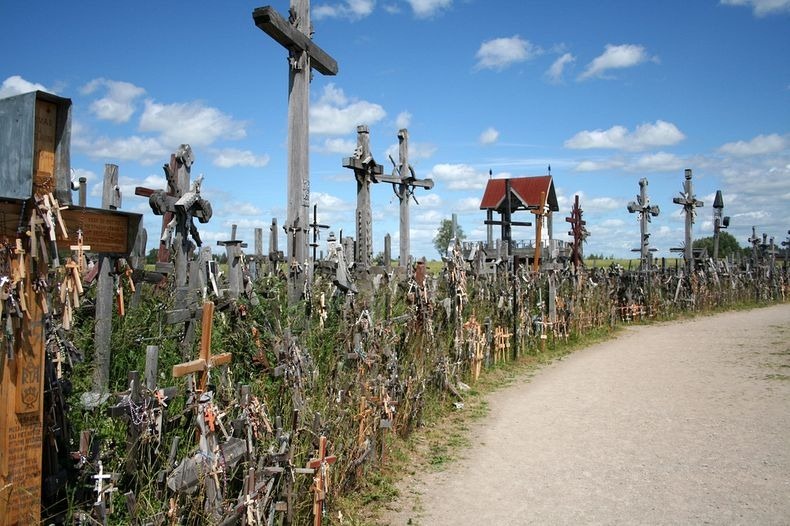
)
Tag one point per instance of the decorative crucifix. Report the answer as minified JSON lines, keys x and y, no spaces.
{"x":719,"y":221}
{"x":578,"y":232}
{"x":321,"y":479}
{"x":366,"y":171}
{"x":403,"y":182}
{"x":646,"y":211}
{"x":294,"y":35}
{"x":689,"y":202}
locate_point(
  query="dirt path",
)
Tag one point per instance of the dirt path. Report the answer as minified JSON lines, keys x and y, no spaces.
{"x":681,"y":423}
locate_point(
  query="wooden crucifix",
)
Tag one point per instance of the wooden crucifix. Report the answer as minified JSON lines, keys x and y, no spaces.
{"x":403,"y":182}
{"x":366,"y":171}
{"x":320,"y":480}
{"x":689,"y":202}
{"x":304,"y":55}
{"x":646,"y":211}
{"x":206,"y":361}
{"x":578,"y":232}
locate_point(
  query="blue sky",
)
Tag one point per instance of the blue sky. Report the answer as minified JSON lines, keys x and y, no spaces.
{"x":606,"y":92}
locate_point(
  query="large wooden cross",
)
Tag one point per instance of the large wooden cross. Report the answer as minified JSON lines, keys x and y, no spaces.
{"x":321,"y":479}
{"x":646,"y":211}
{"x":403,"y":183}
{"x":206,"y":361}
{"x":366,"y":171}
{"x":294,"y":35}
{"x":578,"y":232}
{"x":689,"y":202}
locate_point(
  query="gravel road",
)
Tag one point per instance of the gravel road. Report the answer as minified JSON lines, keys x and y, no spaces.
{"x":678,"y":423}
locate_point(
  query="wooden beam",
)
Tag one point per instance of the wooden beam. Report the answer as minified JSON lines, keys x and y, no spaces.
{"x":270,"y":22}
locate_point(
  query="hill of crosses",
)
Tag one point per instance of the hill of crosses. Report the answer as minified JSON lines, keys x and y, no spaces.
{"x":263,"y":389}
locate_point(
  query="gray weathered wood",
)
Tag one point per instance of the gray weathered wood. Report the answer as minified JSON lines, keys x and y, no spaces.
{"x":233,"y":250}
{"x":111,"y":192}
{"x":646,"y":211}
{"x":151,"y":366}
{"x":303,"y":53}
{"x":689,"y":202}
{"x":83,"y":192}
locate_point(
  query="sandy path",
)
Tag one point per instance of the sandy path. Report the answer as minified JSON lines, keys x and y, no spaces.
{"x":681,"y":423}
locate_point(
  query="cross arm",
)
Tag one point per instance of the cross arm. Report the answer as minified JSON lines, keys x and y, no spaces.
{"x":410,"y":181}
{"x":270,"y":22}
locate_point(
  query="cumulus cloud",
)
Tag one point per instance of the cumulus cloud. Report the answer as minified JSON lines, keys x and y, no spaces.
{"x":428,"y":8}
{"x":351,"y":9}
{"x":230,"y":157}
{"x":337,"y":146}
{"x":499,"y":53}
{"x":417,"y":150}
{"x":555,"y":72}
{"x":117,"y":105}
{"x":16,"y":85}
{"x":762,"y":7}
{"x":615,"y":57}
{"x":189,"y":122}
{"x":336,"y":114}
{"x":458,"y":176}
{"x":589,"y":165}
{"x":489,"y":136}
{"x":760,"y":145}
{"x":648,"y":135}
{"x":145,"y":150}
{"x":657,"y":162}
{"x":403,"y":120}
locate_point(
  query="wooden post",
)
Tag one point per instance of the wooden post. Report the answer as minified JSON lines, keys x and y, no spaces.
{"x":404,"y":196}
{"x":539,"y":213}
{"x":303,"y":55}
{"x":387,"y":251}
{"x":83,"y":195}
{"x":233,"y":248}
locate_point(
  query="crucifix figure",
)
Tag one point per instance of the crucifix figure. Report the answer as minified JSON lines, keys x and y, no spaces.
{"x":689,"y":202}
{"x":646,"y":211}
{"x":366,"y":171}
{"x":294,"y":35}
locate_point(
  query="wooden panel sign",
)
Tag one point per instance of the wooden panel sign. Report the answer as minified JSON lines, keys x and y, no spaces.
{"x":44,"y":146}
{"x":106,"y":231}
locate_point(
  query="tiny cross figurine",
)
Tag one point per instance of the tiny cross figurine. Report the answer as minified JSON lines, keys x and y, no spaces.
{"x":80,"y":248}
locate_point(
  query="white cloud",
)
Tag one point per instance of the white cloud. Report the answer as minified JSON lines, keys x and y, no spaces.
{"x":459,"y":176}
{"x":500,"y":53}
{"x":430,"y":200}
{"x":243,"y":209}
{"x":191,"y":123}
{"x":467,"y":205}
{"x":656,"y":162}
{"x":596,"y":166}
{"x":118,"y":103}
{"x":615,"y":57}
{"x":351,"y":9}
{"x":760,"y":145}
{"x":338,"y":146}
{"x":76,"y":173}
{"x":16,"y":85}
{"x":762,"y":7}
{"x":555,"y":72}
{"x":403,"y":120}
{"x":127,"y":185}
{"x":489,"y":136}
{"x":660,"y":133}
{"x":145,"y":150}
{"x":417,"y":150}
{"x":336,"y":114}
{"x":230,"y":157}
{"x":332,"y":210}
{"x":428,"y":8}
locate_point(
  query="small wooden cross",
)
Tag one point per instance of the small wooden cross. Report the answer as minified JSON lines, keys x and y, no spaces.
{"x":320,"y":482}
{"x":80,"y":248}
{"x":206,"y":361}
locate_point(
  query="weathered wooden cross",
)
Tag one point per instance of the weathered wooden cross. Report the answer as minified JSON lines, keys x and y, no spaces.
{"x":366,"y":171}
{"x":646,"y":211}
{"x":206,"y":361}
{"x":403,"y":182}
{"x":540,"y":212}
{"x":316,"y":227}
{"x":304,"y":55}
{"x":320,"y":480}
{"x":689,"y":202}
{"x":578,"y":232}
{"x":233,"y":248}
{"x":720,"y":221}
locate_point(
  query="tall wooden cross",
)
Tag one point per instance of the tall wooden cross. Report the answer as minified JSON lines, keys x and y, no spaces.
{"x":321,"y":479}
{"x":316,"y":228}
{"x":366,"y":171}
{"x":540,"y":212}
{"x":646,"y":211}
{"x":719,"y":221}
{"x":578,"y":232}
{"x":206,"y":360}
{"x":403,"y":182}
{"x":294,"y":35}
{"x":689,"y":202}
